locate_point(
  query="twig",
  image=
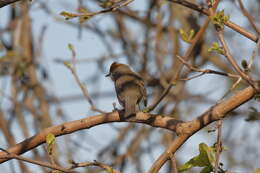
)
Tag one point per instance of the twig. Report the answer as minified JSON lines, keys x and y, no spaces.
{"x":251,"y":61}
{"x":219,"y":145}
{"x":110,"y":9}
{"x":233,"y":61}
{"x":40,"y":163}
{"x":89,"y":60}
{"x":205,"y":71}
{"x":249,"y":17}
{"x":174,"y":164}
{"x":107,"y":168}
{"x":232,"y":87}
{"x":82,"y":86}
{"x":178,"y":71}
{"x":165,"y":92}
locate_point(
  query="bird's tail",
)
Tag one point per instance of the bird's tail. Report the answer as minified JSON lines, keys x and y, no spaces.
{"x":130,"y":106}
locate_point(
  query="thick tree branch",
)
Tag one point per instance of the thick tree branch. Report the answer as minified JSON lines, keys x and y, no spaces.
{"x":85,"y":123}
{"x":216,"y":112}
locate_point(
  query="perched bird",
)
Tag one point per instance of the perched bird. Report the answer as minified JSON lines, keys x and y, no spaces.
{"x":129,"y":87}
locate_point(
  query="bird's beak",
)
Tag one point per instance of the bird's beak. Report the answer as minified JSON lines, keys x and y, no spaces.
{"x":108,"y":74}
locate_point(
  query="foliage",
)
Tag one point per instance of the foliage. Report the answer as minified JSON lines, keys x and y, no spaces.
{"x":186,"y":36}
{"x":216,"y":48}
{"x":50,"y":141}
{"x":219,"y":19}
{"x":205,"y":159}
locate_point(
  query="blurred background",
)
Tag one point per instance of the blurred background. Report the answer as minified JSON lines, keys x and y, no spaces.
{"x":38,"y":91}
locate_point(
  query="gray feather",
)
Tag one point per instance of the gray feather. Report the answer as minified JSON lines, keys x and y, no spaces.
{"x":130,"y":105}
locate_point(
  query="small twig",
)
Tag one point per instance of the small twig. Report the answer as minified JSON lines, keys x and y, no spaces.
{"x":165,"y":92}
{"x":178,"y":71}
{"x":40,"y":163}
{"x":232,"y":87}
{"x":81,"y":85}
{"x":205,"y":71}
{"x":107,"y":10}
{"x":219,"y":145}
{"x":249,"y":17}
{"x":192,"y":77}
{"x":107,"y":168}
{"x":174,"y":164}
{"x":251,"y":61}
{"x":121,"y":4}
{"x":235,"y":84}
{"x":84,"y":90}
{"x":90,"y":59}
{"x":233,"y":61}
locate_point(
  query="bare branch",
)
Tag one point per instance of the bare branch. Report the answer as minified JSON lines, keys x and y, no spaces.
{"x":249,"y":17}
{"x":36,"y":162}
{"x":218,"y":145}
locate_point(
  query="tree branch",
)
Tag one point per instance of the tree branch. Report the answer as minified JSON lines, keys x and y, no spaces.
{"x":214,"y":113}
{"x":85,"y":123}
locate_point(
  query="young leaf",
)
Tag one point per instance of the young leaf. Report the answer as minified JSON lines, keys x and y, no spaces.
{"x":219,"y":19}
{"x":50,"y":141}
{"x":68,"y":15}
{"x":245,"y":65}
{"x":186,"y":36}
{"x":67,"y":64}
{"x":216,"y":48}
{"x":205,"y":159}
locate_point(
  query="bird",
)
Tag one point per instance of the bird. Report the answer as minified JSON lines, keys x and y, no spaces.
{"x":129,"y":87}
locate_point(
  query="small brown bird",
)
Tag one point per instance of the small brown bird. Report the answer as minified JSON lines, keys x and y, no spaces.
{"x":129,"y":87}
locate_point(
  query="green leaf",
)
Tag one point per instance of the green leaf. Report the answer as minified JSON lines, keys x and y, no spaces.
{"x":216,"y":48}
{"x":83,"y":15}
{"x":186,"y":36}
{"x":219,"y":20}
{"x":71,"y":47}
{"x":68,"y":15}
{"x":212,"y":2}
{"x":50,"y":141}
{"x":146,"y":110}
{"x":109,"y":170}
{"x":67,"y":64}
{"x":206,"y":170}
{"x":107,"y":3}
{"x":206,"y":159}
